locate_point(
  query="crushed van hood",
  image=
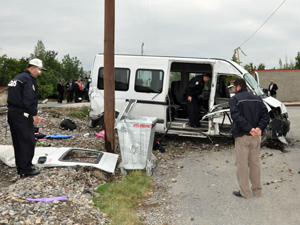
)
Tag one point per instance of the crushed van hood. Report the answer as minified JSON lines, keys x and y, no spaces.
{"x":64,"y":156}
{"x":275,"y":103}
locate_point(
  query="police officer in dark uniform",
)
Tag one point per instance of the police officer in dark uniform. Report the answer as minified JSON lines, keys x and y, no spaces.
{"x":22,"y":103}
{"x":192,"y":91}
{"x":60,"y":90}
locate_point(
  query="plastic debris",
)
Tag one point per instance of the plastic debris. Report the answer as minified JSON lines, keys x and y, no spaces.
{"x":101,"y":134}
{"x":58,"y":135}
{"x":158,"y":146}
{"x":48,"y":199}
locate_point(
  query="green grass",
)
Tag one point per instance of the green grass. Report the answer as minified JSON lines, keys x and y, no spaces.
{"x":119,"y":200}
{"x":84,"y":111}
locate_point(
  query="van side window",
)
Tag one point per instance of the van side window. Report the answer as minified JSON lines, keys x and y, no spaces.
{"x":121,"y":79}
{"x":150,"y":81}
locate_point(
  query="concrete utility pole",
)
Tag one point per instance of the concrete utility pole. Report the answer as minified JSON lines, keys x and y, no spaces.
{"x":238,"y":55}
{"x":109,"y":75}
{"x":142,"y":49}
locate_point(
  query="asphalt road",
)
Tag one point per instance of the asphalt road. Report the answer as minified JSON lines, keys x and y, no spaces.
{"x":203,"y":191}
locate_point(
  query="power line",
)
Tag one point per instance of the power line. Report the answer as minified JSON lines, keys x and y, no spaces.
{"x":262,"y":24}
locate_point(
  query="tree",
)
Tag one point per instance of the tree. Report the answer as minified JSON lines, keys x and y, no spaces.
{"x":261,"y":66}
{"x":71,"y":68}
{"x":280,"y":63}
{"x":297,"y":63}
{"x":9,"y":68}
{"x":47,"y":83}
{"x":234,"y":57}
{"x":286,"y":65}
{"x":39,"y":51}
{"x":250,"y":67}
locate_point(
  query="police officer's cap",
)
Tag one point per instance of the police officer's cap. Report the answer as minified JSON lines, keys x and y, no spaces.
{"x":37,"y":62}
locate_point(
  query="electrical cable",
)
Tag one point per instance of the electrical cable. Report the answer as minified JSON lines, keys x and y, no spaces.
{"x":262,"y":24}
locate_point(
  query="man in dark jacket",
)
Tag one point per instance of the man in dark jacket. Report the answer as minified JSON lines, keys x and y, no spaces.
{"x":192,"y":91}
{"x":272,"y":89}
{"x":250,"y":117}
{"x":86,"y":89}
{"x":70,"y":90}
{"x":60,"y":90}
{"x":22,"y":104}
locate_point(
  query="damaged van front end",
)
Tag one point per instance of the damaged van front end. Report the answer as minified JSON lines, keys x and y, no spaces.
{"x":279,"y":124}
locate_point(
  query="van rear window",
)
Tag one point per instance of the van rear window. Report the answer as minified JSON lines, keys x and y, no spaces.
{"x":150,"y":81}
{"x":121,"y":79}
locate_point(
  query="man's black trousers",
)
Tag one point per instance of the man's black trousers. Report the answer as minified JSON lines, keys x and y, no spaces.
{"x":22,"y":132}
{"x":60,"y":97}
{"x":193,"y":111}
{"x":70,"y":96}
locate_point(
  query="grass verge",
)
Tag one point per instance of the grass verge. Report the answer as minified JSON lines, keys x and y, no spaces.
{"x":84,"y":111}
{"x":119,"y":200}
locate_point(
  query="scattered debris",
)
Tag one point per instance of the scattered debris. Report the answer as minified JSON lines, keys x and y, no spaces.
{"x":274,"y":181}
{"x":58,"y":135}
{"x":47,"y":199}
{"x":101,"y":134}
{"x":68,"y":124}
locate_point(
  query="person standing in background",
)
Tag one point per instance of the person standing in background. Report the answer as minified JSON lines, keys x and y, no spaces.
{"x":60,"y":90}
{"x":78,"y":89}
{"x":86,"y":89}
{"x":272,"y":89}
{"x":70,"y":90}
{"x":22,"y":101}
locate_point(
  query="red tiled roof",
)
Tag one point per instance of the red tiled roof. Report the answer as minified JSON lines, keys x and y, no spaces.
{"x":280,"y":70}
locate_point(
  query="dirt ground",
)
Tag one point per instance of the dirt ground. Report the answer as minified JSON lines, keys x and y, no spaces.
{"x":194,"y":178}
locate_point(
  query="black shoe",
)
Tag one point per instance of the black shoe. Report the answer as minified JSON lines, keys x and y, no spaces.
{"x":31,"y":173}
{"x":237,"y":193}
{"x":196,"y":126}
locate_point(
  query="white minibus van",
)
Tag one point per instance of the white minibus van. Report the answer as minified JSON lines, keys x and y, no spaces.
{"x":158,"y":83}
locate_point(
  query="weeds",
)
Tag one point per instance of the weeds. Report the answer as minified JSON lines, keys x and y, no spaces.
{"x":84,"y":111}
{"x":119,"y":200}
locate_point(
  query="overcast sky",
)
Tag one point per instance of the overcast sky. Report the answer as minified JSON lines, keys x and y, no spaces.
{"x":196,"y":28}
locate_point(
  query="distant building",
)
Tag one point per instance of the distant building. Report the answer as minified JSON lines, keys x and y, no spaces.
{"x":288,"y":82}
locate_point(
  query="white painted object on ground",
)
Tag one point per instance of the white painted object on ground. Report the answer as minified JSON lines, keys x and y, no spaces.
{"x":64,"y":156}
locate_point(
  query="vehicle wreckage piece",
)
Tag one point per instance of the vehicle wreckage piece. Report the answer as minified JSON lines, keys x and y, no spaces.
{"x":64,"y":156}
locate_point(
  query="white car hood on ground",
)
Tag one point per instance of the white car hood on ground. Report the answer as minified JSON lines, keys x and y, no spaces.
{"x":52,"y":157}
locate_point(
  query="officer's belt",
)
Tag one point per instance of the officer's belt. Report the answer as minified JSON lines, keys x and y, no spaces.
{"x":16,"y":108}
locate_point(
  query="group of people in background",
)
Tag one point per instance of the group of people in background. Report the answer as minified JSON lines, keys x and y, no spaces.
{"x":77,"y":88}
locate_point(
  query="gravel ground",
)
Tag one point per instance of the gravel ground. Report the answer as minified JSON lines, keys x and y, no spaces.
{"x":79,"y":183}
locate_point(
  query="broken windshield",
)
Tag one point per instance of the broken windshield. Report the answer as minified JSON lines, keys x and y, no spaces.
{"x":254,"y":85}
